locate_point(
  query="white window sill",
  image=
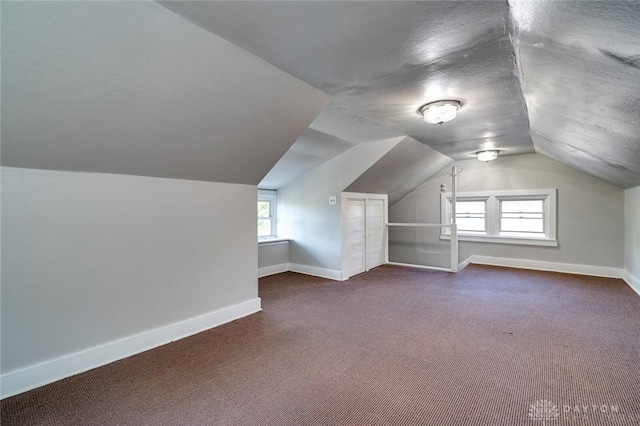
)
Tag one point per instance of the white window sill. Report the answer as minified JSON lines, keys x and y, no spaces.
{"x":505,"y":240}
{"x":272,"y":241}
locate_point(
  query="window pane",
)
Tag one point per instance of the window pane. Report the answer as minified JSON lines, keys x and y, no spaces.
{"x":264,"y":208}
{"x":522,"y":216}
{"x":520,"y":206}
{"x":522,"y":225}
{"x":264,"y":227}
{"x":470,"y":216}
{"x":470,"y":207}
{"x":471,"y":224}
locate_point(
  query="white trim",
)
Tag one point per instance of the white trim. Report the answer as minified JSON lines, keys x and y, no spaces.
{"x":464,"y":263}
{"x":272,"y":197}
{"x":344,"y":245}
{"x":499,"y":239}
{"x":363,"y":196}
{"x":273,"y":269}
{"x":633,"y":282}
{"x":410,"y":265}
{"x":505,"y":193}
{"x":24,"y":379}
{"x":301,"y":269}
{"x":569,"y":268}
{"x":420,"y":225}
{"x":316,"y":272}
{"x":273,"y":242}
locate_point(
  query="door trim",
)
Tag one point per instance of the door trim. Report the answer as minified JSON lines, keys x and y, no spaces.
{"x":344,"y":196}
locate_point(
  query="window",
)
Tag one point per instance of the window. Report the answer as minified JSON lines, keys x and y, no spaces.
{"x":512,"y":217}
{"x":471,"y":216}
{"x":266,"y":214}
{"x":522,"y":218}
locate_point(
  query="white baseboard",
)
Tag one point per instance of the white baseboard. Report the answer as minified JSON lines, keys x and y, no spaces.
{"x":317,"y":272}
{"x":633,"y":282}
{"x":570,"y":268}
{"x":410,"y":265}
{"x":273,"y":269}
{"x":301,"y":269}
{"x":464,"y":264}
{"x":24,"y":379}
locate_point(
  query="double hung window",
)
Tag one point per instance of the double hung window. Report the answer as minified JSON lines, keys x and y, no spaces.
{"x":266,"y":214}
{"x":471,"y":216}
{"x":512,"y":217}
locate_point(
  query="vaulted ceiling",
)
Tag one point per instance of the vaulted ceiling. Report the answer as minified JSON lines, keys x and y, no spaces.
{"x":130,"y":88}
{"x":261,"y":92}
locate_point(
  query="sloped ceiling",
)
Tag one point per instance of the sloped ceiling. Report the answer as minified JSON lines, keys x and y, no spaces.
{"x":309,"y":151}
{"x":576,"y":62}
{"x":382,"y":60}
{"x":580,"y":73}
{"x":405,"y":167}
{"x":128,"y":87}
{"x":220,"y":90}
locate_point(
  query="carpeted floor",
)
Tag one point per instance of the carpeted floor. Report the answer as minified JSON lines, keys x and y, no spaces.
{"x":395,"y":346}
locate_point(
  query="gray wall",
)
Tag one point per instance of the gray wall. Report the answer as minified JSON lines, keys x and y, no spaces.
{"x":401,"y":170}
{"x":91,"y":258}
{"x":273,"y":254}
{"x":132,"y":88}
{"x":304,"y":213}
{"x":590,"y":211}
{"x":632,"y":232}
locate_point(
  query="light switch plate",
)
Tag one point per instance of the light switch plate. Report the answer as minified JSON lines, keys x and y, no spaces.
{"x":332,"y":200}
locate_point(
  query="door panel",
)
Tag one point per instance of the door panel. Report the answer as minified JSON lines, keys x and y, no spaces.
{"x":375,"y":233}
{"x":356,"y":258}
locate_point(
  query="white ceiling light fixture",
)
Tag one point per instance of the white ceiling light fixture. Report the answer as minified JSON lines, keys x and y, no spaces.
{"x":487,"y":155}
{"x":439,"y":112}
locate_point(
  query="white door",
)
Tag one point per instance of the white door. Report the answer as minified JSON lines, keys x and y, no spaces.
{"x":375,"y":233}
{"x":356,"y":248}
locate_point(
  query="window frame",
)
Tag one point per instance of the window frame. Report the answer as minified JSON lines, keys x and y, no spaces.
{"x":486,"y":215}
{"x":493,"y":216}
{"x":272,"y":198}
{"x":501,"y":213}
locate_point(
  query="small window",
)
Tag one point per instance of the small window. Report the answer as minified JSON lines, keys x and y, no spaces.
{"x":264,"y":218}
{"x":266,"y":214}
{"x":471,"y":216}
{"x":522,"y":218}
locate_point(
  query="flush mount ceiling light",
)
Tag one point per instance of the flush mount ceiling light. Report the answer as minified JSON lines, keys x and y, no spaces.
{"x":487,"y":155}
{"x":439,"y":112}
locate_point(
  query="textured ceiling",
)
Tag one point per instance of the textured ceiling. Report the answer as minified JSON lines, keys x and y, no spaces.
{"x":419,"y":163}
{"x":128,"y":87}
{"x":382,"y":60}
{"x":580,"y":74}
{"x":310,"y":150}
{"x":558,"y":77}
{"x":136,"y":88}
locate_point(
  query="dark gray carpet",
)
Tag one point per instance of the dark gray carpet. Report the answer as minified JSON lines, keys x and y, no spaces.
{"x":395,"y":346}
